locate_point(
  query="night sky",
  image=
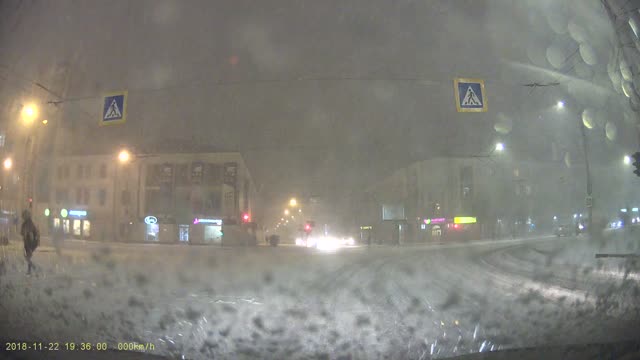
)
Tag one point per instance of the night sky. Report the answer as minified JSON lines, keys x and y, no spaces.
{"x":322,"y":95}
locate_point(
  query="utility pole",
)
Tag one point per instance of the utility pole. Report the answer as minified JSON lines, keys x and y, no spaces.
{"x":588,"y":173}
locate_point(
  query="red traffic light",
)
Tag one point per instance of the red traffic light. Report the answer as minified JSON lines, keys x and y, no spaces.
{"x":30,"y":200}
{"x":246,"y":218}
{"x":307,"y":227}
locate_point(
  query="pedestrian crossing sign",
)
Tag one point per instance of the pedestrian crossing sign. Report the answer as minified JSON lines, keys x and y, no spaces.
{"x":114,"y":108}
{"x":470,"y":95}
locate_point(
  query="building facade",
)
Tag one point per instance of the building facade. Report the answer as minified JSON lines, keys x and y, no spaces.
{"x":502,"y":197}
{"x":176,"y":197}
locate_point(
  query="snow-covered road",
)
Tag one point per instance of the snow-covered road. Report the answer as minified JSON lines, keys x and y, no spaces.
{"x":401,"y":302}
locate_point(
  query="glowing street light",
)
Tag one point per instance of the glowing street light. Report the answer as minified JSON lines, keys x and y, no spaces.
{"x":29,"y":113}
{"x":293,"y":202}
{"x":286,"y":211}
{"x":626,"y":160}
{"x":124,"y":156}
{"x":560,"y":104}
{"x":8,"y":163}
{"x":499,"y":147}
{"x":45,"y":122}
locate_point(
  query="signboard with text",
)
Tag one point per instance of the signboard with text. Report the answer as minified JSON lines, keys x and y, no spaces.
{"x":393,"y":212}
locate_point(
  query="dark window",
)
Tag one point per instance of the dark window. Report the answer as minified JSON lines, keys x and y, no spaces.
{"x":197,"y":205}
{"x":102,"y":197}
{"x":158,"y":202}
{"x":80,"y":172}
{"x":213,"y":174}
{"x":103,"y":170}
{"x":78,"y":196}
{"x":87,"y":171}
{"x":182,"y":174}
{"x":87,"y":196}
{"x":154,"y":174}
{"x":246,"y":194}
{"x":61,"y":195}
{"x":214,"y":201}
{"x":126,"y":197}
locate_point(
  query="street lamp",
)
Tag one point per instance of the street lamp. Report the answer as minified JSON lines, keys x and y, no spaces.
{"x":560,"y":104}
{"x":293,"y":202}
{"x":29,"y":113}
{"x":286,"y":211}
{"x":626,"y":160}
{"x":499,"y":147}
{"x":8,"y":163}
{"x":124,"y":156}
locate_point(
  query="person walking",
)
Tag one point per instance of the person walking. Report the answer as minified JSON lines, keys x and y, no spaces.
{"x":30,"y":238}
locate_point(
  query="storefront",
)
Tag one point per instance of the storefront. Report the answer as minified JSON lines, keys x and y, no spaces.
{"x":206,"y":231}
{"x":366,"y":235}
{"x":152,"y":229}
{"x":75,"y":223}
{"x":183,"y":233}
{"x":160,"y":229}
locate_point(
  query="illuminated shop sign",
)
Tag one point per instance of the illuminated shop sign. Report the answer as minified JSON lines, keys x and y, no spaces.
{"x":207,"y":221}
{"x":435,"y":221}
{"x":78,"y":213}
{"x":464,"y":220}
{"x":150,"y":220}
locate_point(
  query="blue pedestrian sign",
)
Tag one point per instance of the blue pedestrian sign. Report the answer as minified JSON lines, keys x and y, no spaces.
{"x":114,"y":108}
{"x":470,"y":95}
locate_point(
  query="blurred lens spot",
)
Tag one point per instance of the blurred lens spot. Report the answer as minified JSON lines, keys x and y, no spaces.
{"x":362,"y":320}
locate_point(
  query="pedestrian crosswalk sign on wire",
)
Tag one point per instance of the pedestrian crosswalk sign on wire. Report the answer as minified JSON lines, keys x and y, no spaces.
{"x":470,"y":95}
{"x":114,"y":108}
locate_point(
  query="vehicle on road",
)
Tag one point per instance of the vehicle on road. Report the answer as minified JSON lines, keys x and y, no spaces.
{"x":563,"y":230}
{"x":581,"y":228}
{"x":274,"y":240}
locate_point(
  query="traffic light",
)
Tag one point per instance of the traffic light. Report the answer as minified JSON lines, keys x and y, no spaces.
{"x":246,"y":218}
{"x":307,"y":227}
{"x":636,"y":163}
